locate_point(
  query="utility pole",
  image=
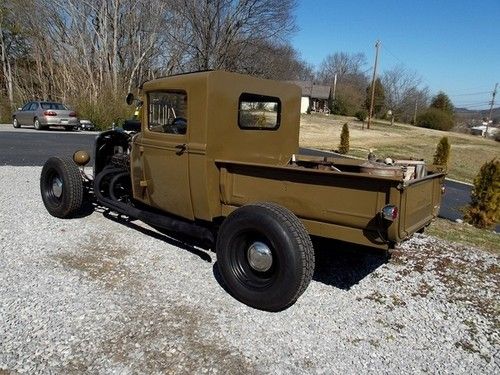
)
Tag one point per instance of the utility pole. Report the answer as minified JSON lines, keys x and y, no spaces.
{"x":377,"y":46}
{"x":415,"y":113}
{"x":491,"y":108}
{"x":334,"y":85}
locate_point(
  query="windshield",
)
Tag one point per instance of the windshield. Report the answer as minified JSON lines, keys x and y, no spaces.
{"x":48,"y":105}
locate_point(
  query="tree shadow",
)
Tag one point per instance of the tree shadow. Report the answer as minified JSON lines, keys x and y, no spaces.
{"x":342,"y":264}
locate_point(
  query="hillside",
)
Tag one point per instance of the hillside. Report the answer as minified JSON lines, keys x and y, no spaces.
{"x":468,"y":152}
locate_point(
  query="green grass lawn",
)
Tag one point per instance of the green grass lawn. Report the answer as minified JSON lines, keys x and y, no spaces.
{"x":465,"y":234}
{"x":468,"y":152}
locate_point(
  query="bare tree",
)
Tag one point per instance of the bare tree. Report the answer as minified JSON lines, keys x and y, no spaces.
{"x":13,"y":44}
{"x":215,"y":33}
{"x":343,"y":65}
{"x":403,"y":93}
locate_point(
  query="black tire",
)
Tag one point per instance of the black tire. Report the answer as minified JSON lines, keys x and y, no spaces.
{"x":37,"y":125}
{"x":15,"y":123}
{"x":273,"y":287}
{"x":61,"y":187}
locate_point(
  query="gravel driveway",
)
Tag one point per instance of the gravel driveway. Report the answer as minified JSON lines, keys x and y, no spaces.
{"x":100,"y":295}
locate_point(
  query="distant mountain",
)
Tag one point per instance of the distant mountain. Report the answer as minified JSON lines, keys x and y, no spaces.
{"x":469,"y":113}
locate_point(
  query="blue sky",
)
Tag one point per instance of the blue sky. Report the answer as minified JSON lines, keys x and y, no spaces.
{"x":453,"y":45}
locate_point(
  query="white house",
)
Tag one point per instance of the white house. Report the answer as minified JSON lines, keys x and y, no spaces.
{"x":314,"y":97}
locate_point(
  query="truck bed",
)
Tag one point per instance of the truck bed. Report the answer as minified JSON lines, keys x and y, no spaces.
{"x":342,"y":204}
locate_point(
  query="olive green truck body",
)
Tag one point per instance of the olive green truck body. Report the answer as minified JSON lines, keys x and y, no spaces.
{"x":224,"y":165}
{"x":215,"y":156}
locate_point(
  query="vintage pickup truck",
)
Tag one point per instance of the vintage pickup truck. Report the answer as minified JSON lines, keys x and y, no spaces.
{"x":214,"y":156}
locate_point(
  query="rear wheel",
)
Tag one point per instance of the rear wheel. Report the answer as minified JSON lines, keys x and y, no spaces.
{"x":265,"y":256}
{"x":37,"y":124}
{"x":61,"y":187}
{"x":15,"y":123}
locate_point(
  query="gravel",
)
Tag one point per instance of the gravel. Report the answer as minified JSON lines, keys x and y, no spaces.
{"x":101,"y":295}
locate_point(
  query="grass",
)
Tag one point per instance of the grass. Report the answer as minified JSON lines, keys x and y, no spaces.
{"x":468,"y":152}
{"x":465,"y":234}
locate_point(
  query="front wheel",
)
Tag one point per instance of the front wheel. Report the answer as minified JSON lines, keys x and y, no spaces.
{"x":61,"y":187}
{"x":15,"y":123}
{"x":265,"y":256}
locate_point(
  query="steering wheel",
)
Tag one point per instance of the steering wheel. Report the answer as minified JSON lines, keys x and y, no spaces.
{"x":179,"y":125}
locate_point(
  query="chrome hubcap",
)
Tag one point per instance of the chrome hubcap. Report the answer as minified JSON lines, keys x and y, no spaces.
{"x":57,"y":186}
{"x":260,"y":257}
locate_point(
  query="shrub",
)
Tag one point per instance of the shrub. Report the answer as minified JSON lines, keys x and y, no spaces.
{"x":108,"y":108}
{"x":442,"y":152}
{"x":484,"y":210}
{"x":435,"y":118}
{"x":361,"y":115}
{"x":339,"y":107}
{"x":344,"y":140}
{"x":5,"y":110}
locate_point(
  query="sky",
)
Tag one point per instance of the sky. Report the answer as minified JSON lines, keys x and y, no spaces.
{"x":453,"y":45}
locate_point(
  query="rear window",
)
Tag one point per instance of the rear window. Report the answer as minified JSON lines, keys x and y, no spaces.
{"x":259,"y":112}
{"x":48,"y":105}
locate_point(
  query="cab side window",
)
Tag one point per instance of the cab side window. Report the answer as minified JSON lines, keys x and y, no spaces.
{"x":167,"y":112}
{"x":34,"y":106}
{"x":26,"y":107}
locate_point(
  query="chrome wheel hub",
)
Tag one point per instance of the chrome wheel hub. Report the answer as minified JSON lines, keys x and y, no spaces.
{"x":57,"y":186}
{"x":260,"y":257}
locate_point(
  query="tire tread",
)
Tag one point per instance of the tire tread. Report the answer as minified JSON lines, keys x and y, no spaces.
{"x":74,"y":185}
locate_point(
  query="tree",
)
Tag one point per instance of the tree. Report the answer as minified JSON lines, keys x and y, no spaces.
{"x":13,"y":44}
{"x":442,"y":154}
{"x":342,"y":64}
{"x":484,"y":210}
{"x":379,"y":98}
{"x":443,"y":103}
{"x":216,"y":34}
{"x":435,"y":118}
{"x":344,"y":139}
{"x":402,"y":93}
{"x":351,"y":81}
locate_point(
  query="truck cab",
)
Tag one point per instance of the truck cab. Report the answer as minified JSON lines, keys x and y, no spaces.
{"x":191,"y":121}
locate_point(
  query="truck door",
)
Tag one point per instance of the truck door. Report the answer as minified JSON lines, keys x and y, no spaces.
{"x":163,"y":153}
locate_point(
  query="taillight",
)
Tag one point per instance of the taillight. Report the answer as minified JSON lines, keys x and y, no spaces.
{"x":72,"y":114}
{"x":49,"y":113}
{"x":389,"y":212}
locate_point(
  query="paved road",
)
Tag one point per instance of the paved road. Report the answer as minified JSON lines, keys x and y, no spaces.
{"x":27,"y":147}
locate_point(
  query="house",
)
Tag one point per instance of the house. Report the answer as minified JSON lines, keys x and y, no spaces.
{"x":314,"y":97}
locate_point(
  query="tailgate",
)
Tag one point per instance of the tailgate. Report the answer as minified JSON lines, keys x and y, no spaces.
{"x":420,"y":203}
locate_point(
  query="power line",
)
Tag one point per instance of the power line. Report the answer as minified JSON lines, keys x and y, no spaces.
{"x":393,"y":55}
{"x":485,"y":105}
{"x":473,"y":103}
{"x":473,"y":88}
{"x":471,"y":94}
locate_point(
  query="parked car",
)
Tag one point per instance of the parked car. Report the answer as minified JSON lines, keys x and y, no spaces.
{"x":86,"y":125}
{"x":42,"y":114}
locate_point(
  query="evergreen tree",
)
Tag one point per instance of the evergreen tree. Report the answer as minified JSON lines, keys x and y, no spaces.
{"x":484,"y":210}
{"x":442,"y":152}
{"x":344,"y":140}
{"x":379,"y":97}
{"x":442,"y":101}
